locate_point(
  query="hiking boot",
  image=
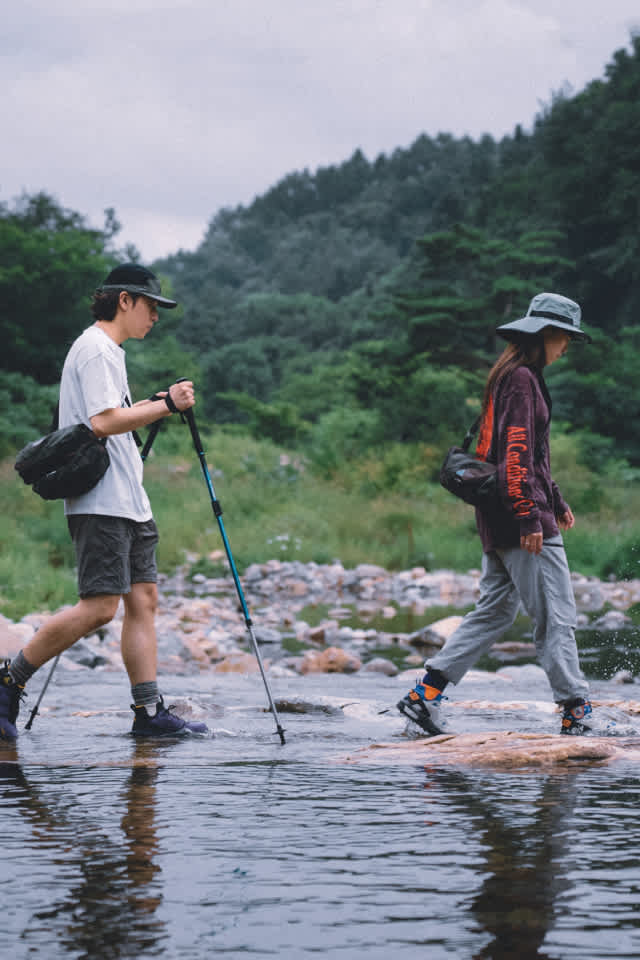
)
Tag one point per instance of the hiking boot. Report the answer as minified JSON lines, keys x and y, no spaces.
{"x":422,"y":705}
{"x":11,"y":693}
{"x":573,"y":717}
{"x":163,"y":723}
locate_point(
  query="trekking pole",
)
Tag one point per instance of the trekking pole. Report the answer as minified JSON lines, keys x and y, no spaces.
{"x":153,"y":432}
{"x":144,"y":453}
{"x":217,"y":509}
{"x":34,"y":712}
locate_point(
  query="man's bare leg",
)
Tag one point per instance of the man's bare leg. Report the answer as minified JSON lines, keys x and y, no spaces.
{"x":138,"y":642}
{"x":67,"y":626}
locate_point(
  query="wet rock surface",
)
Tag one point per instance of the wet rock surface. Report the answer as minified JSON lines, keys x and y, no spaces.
{"x":501,"y":749}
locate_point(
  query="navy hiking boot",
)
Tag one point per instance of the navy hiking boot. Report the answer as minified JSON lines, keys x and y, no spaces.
{"x":11,"y":693}
{"x":573,"y":717}
{"x":422,"y":705}
{"x":163,"y":723}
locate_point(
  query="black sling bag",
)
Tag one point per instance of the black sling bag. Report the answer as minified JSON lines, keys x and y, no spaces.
{"x":66,"y":462}
{"x":466,"y":476}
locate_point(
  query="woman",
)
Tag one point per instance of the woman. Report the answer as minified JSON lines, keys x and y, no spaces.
{"x":524,"y":560}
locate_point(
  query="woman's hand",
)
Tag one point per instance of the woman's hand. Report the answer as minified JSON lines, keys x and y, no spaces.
{"x":532,"y":542}
{"x":567,"y":520}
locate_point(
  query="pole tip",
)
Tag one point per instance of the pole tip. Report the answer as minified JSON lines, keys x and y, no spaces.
{"x":34,"y":712}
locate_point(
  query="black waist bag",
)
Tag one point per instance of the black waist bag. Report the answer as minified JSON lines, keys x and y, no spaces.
{"x":472,"y":480}
{"x":65,"y":463}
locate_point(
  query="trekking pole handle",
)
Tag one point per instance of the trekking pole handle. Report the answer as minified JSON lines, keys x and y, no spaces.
{"x":189,"y":417}
{"x":183,"y":413}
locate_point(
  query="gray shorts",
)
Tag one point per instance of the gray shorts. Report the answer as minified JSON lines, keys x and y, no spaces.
{"x":112,"y":553}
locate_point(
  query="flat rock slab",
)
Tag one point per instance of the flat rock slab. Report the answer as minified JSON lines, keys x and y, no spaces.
{"x":502,"y":749}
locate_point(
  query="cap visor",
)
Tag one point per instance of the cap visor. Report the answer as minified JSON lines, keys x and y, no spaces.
{"x":163,"y":302}
{"x":142,"y":291}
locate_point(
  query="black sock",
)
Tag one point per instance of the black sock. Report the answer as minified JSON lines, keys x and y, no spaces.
{"x":433,"y":678}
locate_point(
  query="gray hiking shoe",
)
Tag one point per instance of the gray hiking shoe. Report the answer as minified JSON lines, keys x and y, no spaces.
{"x":422,"y":705}
{"x":573,"y":717}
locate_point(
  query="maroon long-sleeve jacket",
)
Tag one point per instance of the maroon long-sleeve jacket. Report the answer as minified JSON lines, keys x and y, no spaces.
{"x":515,"y":434}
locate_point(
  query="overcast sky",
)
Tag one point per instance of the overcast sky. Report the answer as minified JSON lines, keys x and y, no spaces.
{"x":168,"y":110}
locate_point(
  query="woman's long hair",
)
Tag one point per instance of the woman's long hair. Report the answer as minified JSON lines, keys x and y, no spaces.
{"x":525,"y":350}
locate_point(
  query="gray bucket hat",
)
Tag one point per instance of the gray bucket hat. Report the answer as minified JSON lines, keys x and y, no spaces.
{"x":135,"y":278}
{"x":548,"y":310}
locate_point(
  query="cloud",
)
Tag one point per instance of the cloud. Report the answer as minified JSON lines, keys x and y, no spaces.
{"x":169,"y":109}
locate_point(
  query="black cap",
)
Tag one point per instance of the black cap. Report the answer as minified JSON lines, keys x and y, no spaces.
{"x":134,"y":278}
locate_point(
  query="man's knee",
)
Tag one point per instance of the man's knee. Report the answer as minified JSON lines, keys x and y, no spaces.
{"x":100,"y":610}
{"x":142,"y":600}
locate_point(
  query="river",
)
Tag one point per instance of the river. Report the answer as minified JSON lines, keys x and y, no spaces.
{"x":239,"y":846}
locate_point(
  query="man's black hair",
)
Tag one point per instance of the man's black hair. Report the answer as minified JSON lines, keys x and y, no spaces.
{"x":104,"y":306}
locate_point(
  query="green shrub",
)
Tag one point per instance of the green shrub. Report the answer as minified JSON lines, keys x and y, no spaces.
{"x":341,"y":436}
{"x":27,"y":409}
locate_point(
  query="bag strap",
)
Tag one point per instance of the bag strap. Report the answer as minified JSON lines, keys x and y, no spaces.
{"x":134,"y":433}
{"x":473,"y":429}
{"x":470,"y":434}
{"x":55,"y":422}
{"x":539,"y":447}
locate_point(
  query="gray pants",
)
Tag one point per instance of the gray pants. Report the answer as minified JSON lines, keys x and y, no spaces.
{"x":542,"y":584}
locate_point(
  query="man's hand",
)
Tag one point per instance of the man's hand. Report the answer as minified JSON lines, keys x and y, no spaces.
{"x":182,"y":394}
{"x":567,"y":520}
{"x":532,"y":542}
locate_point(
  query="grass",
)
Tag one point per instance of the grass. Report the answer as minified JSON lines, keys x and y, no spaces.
{"x":275,"y":506}
{"x":273,"y":509}
{"x":36,"y":556}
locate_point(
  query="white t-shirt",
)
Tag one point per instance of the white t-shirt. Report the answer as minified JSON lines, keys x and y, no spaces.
{"x":94,"y":379}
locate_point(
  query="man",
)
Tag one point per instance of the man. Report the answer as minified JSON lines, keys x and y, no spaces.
{"x":112,"y":527}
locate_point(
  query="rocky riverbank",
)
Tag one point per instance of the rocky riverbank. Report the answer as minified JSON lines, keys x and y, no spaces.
{"x":312,"y":618}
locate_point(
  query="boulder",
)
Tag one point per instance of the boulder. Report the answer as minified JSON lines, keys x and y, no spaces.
{"x":266,"y":634}
{"x":622,"y":676}
{"x":501,"y":750}
{"x":589,"y":594}
{"x":611,"y":620}
{"x":84,"y":654}
{"x":381,"y":665}
{"x":238,"y":663}
{"x":435,"y":634}
{"x":331,"y":660}
{"x":324,"y":632}
{"x":13,"y":637}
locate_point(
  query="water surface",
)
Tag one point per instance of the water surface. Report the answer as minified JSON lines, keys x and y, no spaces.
{"x":237,"y":846}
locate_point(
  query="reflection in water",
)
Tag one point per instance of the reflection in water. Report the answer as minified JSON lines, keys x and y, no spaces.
{"x":138,"y":825}
{"x":109,"y":905}
{"x":238,"y":848}
{"x":525,"y":856}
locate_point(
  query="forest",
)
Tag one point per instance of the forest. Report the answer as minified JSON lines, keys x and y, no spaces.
{"x":348,"y":314}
